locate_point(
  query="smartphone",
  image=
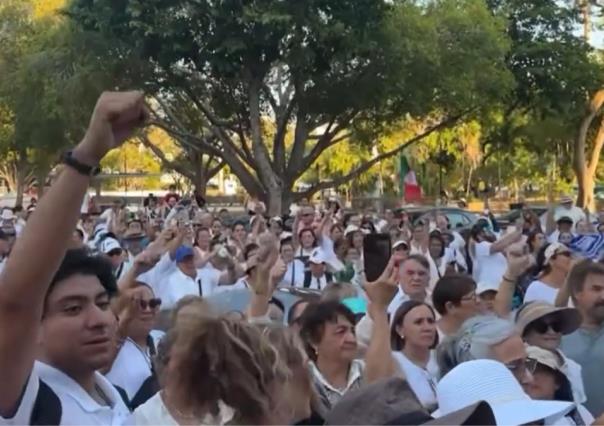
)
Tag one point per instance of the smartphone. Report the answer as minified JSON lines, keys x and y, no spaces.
{"x":377,"y":249}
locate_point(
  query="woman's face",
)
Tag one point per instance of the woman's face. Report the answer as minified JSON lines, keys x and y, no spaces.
{"x":538,"y":242}
{"x":418,"y":327}
{"x":352,"y":255}
{"x":435,"y":247}
{"x":562,"y":261}
{"x":544,"y":333}
{"x":307,"y":239}
{"x":239,"y":232}
{"x":336,"y":233}
{"x":216,"y":227}
{"x":143,"y":322}
{"x":357,"y":240}
{"x":544,"y":385}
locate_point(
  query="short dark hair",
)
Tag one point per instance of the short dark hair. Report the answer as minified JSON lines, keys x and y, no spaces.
{"x":248,"y":249}
{"x":314,"y":318}
{"x":451,"y":288}
{"x":396,"y":341}
{"x":579,"y":273}
{"x":80,"y":261}
{"x":421,"y":259}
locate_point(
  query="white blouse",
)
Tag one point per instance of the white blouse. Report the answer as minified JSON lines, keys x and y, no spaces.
{"x":422,"y":381}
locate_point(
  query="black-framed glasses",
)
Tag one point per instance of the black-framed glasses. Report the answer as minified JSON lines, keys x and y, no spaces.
{"x":522,"y":365}
{"x":151,"y":303}
{"x":541,"y":326}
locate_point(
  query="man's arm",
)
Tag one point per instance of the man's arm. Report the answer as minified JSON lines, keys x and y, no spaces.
{"x":504,"y":242}
{"x":45,"y":240}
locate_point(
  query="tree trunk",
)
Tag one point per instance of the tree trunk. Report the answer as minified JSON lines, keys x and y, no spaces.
{"x":20,"y":188}
{"x":586,"y":171}
{"x":41,"y":176}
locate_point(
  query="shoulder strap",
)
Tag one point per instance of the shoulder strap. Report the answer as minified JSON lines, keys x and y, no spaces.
{"x":199,"y":287}
{"x":307,"y":278}
{"x":328,"y":277}
{"x":124,"y":396}
{"x":47,"y":408}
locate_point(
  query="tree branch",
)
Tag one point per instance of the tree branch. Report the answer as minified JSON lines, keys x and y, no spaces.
{"x":164,"y":160}
{"x":367,"y":165}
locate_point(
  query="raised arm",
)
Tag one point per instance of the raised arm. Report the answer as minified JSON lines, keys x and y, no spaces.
{"x":503,"y":243}
{"x":378,"y":359}
{"x":45,"y":240}
{"x":518,"y":262}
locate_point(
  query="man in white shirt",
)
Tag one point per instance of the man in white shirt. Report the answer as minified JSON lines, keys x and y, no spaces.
{"x":486,"y":250}
{"x":59,"y":312}
{"x":317,"y":277}
{"x":414,"y":282}
{"x":111,"y":248}
{"x":568,"y":209}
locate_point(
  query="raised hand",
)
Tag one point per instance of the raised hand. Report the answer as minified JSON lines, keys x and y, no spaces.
{"x":115,"y":118}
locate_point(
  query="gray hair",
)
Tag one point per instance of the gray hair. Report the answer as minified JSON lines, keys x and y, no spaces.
{"x":474,"y":340}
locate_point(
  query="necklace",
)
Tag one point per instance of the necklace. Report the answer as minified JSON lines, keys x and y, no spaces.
{"x":143,"y":352}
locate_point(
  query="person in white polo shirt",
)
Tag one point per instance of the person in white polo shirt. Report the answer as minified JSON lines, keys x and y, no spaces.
{"x":58,"y":311}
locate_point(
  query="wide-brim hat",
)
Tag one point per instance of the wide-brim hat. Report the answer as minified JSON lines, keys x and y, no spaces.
{"x":570,"y":318}
{"x":487,"y":380}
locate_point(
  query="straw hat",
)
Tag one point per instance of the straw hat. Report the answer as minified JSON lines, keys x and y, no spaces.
{"x":490,"y":381}
{"x":570,"y":318}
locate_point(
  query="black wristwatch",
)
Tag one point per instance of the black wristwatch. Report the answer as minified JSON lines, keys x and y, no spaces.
{"x":84,"y":169}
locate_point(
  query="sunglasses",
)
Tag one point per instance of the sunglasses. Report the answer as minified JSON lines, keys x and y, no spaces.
{"x":521,"y":365}
{"x":115,"y":252}
{"x":151,"y":303}
{"x":541,"y":326}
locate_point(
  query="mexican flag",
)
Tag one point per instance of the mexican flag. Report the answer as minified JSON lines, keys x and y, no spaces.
{"x":410,"y":189}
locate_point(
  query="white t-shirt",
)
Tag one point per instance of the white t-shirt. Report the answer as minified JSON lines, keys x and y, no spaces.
{"x":179,"y":285}
{"x":538,"y":290}
{"x":154,"y":412}
{"x":160,"y":272}
{"x":294,"y":276}
{"x":488,"y":268}
{"x":132,"y":366}
{"x":422,"y":381}
{"x":77,"y":406}
{"x":575,"y":213}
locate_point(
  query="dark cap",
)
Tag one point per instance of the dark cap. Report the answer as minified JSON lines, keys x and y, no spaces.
{"x":565,"y":219}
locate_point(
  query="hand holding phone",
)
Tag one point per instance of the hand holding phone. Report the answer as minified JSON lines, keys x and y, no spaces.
{"x":377,"y":249}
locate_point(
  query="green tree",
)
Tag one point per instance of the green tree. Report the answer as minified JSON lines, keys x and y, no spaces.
{"x":324,"y":71}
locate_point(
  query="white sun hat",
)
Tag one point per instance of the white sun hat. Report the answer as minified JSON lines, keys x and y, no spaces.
{"x":490,"y":381}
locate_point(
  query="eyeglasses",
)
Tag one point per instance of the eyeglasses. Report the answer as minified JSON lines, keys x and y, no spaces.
{"x":470,"y":297}
{"x":115,"y":252}
{"x":541,"y":326}
{"x":151,"y":303}
{"x":520,"y":366}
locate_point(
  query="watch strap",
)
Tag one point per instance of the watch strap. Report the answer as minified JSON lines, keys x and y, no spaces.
{"x":84,"y":169}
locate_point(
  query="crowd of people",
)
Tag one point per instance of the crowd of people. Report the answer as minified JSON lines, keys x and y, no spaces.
{"x":109,"y":317}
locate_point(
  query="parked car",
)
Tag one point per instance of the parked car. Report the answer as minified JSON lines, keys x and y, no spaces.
{"x":458,"y":218}
{"x":505,"y":219}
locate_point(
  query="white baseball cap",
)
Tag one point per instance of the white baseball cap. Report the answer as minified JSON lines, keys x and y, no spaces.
{"x":109,"y":244}
{"x":317,"y":257}
{"x":490,"y":381}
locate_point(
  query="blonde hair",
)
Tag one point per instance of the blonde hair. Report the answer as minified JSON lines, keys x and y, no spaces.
{"x":220,"y":360}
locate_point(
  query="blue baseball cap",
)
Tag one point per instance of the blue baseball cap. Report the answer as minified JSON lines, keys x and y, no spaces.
{"x":357,"y":305}
{"x":182,"y":253}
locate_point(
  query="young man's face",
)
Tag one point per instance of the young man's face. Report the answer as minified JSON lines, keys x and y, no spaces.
{"x":590,"y":300}
{"x":77,"y":333}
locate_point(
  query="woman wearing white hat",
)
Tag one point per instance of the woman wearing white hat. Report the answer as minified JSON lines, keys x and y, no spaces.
{"x":488,"y":380}
{"x":551,"y":382}
{"x":557,"y":262}
{"x":543,"y":325}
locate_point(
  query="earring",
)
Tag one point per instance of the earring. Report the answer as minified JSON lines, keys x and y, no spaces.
{"x":401,"y":336}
